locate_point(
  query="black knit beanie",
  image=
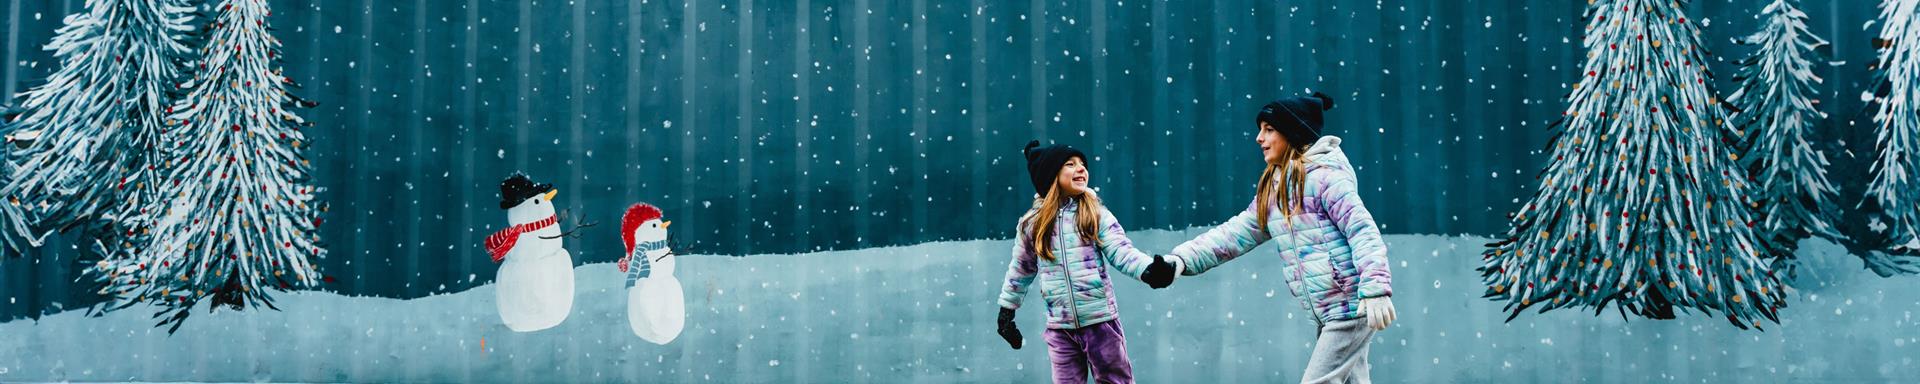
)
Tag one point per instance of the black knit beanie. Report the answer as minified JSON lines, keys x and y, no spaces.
{"x":1043,"y":163}
{"x":1297,"y":118}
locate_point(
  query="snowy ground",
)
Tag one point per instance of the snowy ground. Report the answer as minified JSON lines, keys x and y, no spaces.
{"x":924,"y":313}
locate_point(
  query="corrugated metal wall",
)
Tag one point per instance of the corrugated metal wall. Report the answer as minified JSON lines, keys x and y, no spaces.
{"x":765,"y":127}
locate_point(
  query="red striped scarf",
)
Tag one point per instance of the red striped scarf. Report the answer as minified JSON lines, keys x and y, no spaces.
{"x":500,"y":242}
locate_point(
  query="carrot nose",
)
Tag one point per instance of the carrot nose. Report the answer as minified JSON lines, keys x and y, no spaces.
{"x":665,"y":224}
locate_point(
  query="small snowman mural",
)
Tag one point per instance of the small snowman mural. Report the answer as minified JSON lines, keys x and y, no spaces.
{"x":656,"y":306}
{"x":534,"y":288}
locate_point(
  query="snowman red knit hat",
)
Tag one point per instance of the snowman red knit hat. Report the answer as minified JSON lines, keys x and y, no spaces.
{"x":637,"y":214}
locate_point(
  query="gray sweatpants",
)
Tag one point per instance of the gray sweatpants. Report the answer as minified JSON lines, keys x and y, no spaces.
{"x":1340,"y":354}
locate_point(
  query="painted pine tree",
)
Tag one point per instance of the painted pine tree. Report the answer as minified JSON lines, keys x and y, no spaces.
{"x":1895,"y":168}
{"x":241,"y":219}
{"x":1643,"y":203}
{"x":1777,"y":107}
{"x":84,"y":138}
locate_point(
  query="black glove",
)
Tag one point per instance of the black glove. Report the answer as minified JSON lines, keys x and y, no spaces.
{"x":1159,"y":274}
{"x":1007,"y":330}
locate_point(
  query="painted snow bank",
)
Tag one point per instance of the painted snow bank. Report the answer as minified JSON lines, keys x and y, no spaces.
{"x":924,"y":313}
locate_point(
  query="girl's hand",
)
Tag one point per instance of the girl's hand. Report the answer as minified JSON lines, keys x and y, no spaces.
{"x":1008,"y":330}
{"x":1159,"y":274}
{"x":1379,"y":312}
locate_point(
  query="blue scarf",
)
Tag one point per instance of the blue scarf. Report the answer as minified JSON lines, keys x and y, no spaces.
{"x":638,"y":265}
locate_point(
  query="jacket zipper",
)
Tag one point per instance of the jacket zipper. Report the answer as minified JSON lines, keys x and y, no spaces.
{"x":1073,"y":305}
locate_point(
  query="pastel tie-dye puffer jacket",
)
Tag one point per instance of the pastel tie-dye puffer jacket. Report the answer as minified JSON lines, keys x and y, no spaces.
{"x":1333,"y":251}
{"x":1075,"y":284}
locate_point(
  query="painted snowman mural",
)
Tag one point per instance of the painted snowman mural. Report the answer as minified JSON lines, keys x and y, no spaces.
{"x":656,"y":306}
{"x":534,"y":288}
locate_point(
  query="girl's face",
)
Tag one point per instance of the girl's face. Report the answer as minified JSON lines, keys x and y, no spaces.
{"x":1073,"y":177}
{"x":1271,"y":143}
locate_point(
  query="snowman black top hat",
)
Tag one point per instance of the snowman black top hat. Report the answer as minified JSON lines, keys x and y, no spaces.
{"x":517,"y":189}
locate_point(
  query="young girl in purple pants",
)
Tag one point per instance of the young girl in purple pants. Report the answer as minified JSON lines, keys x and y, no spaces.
{"x":1068,"y":241}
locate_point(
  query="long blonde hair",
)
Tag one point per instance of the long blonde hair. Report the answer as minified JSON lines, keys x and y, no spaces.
{"x":1292,"y":168}
{"x":1039,"y":220}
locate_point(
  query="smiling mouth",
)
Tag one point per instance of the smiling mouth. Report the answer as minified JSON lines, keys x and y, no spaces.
{"x":1079,"y":179}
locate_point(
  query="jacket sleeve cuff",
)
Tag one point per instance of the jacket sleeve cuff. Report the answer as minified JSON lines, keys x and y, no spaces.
{"x":1369,"y":291}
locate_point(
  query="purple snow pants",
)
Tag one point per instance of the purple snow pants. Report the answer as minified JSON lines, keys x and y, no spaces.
{"x":1099,"y":348}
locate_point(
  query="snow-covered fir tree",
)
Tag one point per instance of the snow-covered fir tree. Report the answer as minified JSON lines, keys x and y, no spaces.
{"x":240,"y":219}
{"x":1897,"y":166}
{"x":1778,"y":107}
{"x":83,"y":139}
{"x":1643,"y":204}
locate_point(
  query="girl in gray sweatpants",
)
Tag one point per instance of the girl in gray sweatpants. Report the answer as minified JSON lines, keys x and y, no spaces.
{"x":1308,"y":202}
